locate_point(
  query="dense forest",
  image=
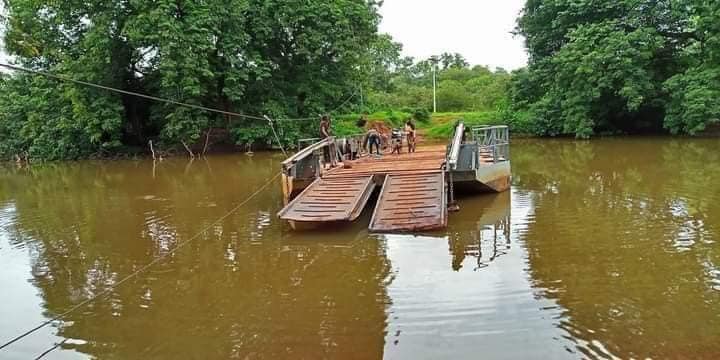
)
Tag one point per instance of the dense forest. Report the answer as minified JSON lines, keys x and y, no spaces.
{"x":619,"y":66}
{"x":595,"y":67}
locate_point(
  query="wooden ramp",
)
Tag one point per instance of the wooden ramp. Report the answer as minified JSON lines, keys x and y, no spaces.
{"x":329,"y":200}
{"x":411,"y":202}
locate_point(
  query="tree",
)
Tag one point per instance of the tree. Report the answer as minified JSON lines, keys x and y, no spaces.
{"x":384,"y":61}
{"x":281,"y":58}
{"x":454,"y":60}
{"x":605,"y":66}
{"x":407,"y":84}
{"x":695,"y":93}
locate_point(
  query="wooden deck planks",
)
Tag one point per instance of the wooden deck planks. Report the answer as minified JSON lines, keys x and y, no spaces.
{"x":427,"y":159}
{"x":403,"y":206}
{"x":413,"y":196}
{"x":330,"y":200}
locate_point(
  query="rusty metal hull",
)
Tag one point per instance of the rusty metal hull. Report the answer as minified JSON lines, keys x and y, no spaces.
{"x":292,"y":187}
{"x":316,"y":225}
{"x":495,"y":177}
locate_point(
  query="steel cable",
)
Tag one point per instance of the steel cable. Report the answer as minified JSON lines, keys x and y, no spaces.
{"x":139,"y":271}
{"x":155,"y":98}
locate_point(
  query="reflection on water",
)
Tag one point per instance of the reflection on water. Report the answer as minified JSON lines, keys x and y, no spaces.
{"x":625,"y":240}
{"x":476,"y":299}
{"x":602,"y":249}
{"x":489,"y":238}
{"x":248,"y":287}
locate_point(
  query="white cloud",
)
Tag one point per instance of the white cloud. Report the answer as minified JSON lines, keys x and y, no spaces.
{"x":478,"y":29}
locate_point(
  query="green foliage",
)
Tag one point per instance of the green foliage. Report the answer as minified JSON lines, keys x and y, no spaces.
{"x":395,"y":118}
{"x":346,"y":126}
{"x":628,"y":65}
{"x":48,"y":121}
{"x":595,"y":67}
{"x":9,"y":143}
{"x":404,"y":84}
{"x":421,"y":114}
{"x":275,"y":57}
{"x":695,"y":94}
{"x":383,"y":61}
{"x":695,"y":100}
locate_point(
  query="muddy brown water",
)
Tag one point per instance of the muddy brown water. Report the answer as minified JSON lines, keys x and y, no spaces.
{"x":607,"y":248}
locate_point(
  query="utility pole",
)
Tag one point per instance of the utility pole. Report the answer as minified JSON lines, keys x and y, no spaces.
{"x":434,"y":68}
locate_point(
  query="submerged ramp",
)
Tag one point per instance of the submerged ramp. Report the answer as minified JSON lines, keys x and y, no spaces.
{"x":411,"y":202}
{"x":329,"y":200}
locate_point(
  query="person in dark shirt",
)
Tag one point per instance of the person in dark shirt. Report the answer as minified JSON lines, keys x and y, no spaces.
{"x":325,"y":132}
{"x":372,"y":138}
{"x":325,"y":127}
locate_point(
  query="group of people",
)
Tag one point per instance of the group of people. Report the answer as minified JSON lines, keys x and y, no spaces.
{"x":372,"y":141}
{"x":396,"y":139}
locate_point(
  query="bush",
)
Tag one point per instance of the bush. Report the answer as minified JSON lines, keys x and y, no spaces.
{"x":421,"y":114}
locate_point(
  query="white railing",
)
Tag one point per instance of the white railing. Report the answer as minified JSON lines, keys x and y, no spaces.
{"x":493,"y":141}
{"x":455,"y":145}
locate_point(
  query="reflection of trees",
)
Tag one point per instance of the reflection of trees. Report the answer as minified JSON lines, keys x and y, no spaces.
{"x":486,"y":237}
{"x":245,"y":288}
{"x":623,"y":238}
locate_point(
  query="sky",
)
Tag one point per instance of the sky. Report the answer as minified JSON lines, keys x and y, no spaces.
{"x":478,"y":29}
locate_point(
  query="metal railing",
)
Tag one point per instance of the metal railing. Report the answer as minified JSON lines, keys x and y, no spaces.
{"x":313,"y":152}
{"x":453,"y":153}
{"x":493,"y":142}
{"x":355,"y":143}
{"x":303,"y":143}
{"x":308,"y":161}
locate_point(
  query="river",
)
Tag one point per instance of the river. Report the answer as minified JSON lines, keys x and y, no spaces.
{"x":602,"y":249}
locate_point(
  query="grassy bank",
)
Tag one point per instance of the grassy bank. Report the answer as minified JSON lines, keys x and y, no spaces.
{"x":438,"y":126}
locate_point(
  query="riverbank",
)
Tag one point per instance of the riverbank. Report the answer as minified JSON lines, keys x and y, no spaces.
{"x":431,"y":127}
{"x":437,"y":126}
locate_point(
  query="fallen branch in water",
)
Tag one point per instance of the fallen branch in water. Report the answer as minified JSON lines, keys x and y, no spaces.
{"x":188,"y":166}
{"x":207,"y":140}
{"x":152,"y":150}
{"x":192,"y":155}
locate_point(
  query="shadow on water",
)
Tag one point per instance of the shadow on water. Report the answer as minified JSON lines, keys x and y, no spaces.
{"x":602,"y":249}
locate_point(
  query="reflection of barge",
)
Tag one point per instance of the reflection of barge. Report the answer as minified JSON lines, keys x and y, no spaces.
{"x":415,"y":188}
{"x":486,"y":237}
